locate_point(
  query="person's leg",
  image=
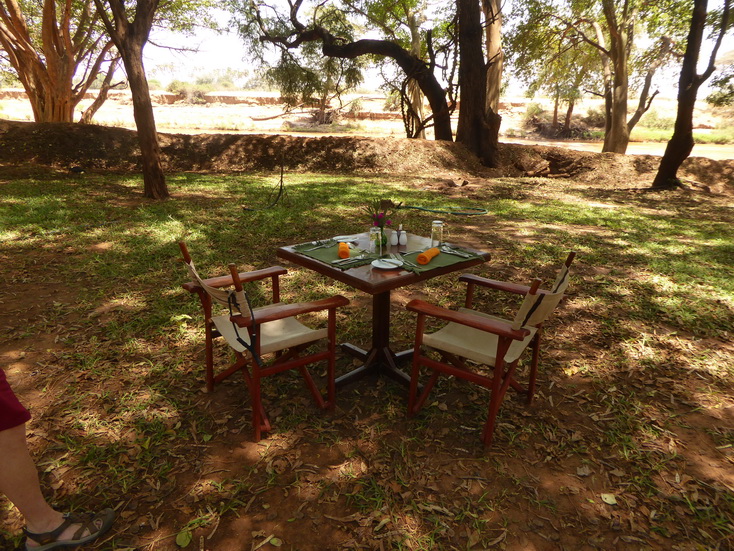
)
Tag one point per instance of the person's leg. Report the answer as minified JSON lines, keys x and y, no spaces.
{"x":19,"y":482}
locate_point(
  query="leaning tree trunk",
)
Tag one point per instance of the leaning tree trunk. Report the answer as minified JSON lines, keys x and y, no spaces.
{"x":617,"y":137}
{"x":681,"y":143}
{"x":410,"y":64}
{"x":153,"y":177}
{"x":495,"y":57}
{"x":89,"y":112}
{"x":478,"y":127}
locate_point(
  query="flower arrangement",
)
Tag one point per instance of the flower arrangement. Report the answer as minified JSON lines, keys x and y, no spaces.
{"x":380,"y":211}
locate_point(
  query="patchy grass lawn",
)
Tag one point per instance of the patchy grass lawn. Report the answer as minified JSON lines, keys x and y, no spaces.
{"x":629,"y":444}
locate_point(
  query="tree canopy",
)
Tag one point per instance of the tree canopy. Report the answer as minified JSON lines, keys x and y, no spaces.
{"x":616,"y":31}
{"x":57,"y":49}
{"x":262,"y":23}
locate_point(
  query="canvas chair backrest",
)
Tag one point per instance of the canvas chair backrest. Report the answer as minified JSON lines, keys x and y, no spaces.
{"x":230,"y":298}
{"x":535,"y":309}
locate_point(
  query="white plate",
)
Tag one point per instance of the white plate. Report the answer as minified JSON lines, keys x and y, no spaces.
{"x":387,"y":264}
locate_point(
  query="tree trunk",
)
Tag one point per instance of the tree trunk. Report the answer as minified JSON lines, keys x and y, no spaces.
{"x":410,"y":64}
{"x":414,"y":90}
{"x":495,"y":57}
{"x":153,"y":177}
{"x":617,"y":137}
{"x":569,"y":114}
{"x":478,"y":126}
{"x":47,"y":54}
{"x":90,"y":111}
{"x":681,"y":143}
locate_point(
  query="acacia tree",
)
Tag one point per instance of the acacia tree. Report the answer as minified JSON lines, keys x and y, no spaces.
{"x":401,"y":21}
{"x":305,"y":75}
{"x":478,"y":125}
{"x":130,"y":37}
{"x":613,"y":29}
{"x":681,"y":143}
{"x":492,"y":11}
{"x":286,"y":30}
{"x":57,"y":49}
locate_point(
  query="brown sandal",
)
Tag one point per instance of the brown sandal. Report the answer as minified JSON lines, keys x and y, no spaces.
{"x":95,"y":524}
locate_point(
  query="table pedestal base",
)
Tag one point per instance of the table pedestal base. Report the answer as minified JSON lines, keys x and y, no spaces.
{"x":381,"y":361}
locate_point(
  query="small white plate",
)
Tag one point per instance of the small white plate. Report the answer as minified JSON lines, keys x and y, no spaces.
{"x":387,"y":264}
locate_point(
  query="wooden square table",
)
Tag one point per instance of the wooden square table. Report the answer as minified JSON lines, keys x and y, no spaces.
{"x":380,"y":359}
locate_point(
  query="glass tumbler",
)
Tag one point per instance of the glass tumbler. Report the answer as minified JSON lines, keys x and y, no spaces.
{"x":376,"y":240}
{"x":436,"y":233}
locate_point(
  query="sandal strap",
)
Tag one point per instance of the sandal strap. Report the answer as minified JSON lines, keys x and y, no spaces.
{"x":44,"y":538}
{"x":86,"y":523}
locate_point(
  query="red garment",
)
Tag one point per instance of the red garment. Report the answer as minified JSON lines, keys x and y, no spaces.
{"x":12,"y":412}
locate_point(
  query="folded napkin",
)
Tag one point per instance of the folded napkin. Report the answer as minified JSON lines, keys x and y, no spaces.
{"x":426,"y":256}
{"x":343,"y":250}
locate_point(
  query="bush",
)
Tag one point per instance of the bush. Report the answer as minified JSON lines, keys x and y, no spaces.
{"x":190,"y":93}
{"x":392,"y":101}
{"x":356,"y":106}
{"x":653,"y":119}
{"x":533,"y":111}
{"x":594,"y":118}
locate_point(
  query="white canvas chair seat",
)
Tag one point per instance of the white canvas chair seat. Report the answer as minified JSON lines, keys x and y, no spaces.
{"x":274,"y":335}
{"x":474,"y":344}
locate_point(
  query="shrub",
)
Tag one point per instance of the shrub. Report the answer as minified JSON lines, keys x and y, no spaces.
{"x":653,"y":119}
{"x":356,"y":106}
{"x":190,"y":93}
{"x":594,"y":118}
{"x":533,"y":110}
{"x":392,"y":101}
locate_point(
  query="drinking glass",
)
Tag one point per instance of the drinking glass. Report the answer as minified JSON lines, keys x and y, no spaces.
{"x":436,"y":233}
{"x":376,"y":240}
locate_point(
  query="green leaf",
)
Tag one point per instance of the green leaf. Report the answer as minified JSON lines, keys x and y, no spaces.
{"x":276,"y":542}
{"x":184,"y":538}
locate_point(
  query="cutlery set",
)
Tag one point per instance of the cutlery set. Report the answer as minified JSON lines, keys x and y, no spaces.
{"x":397,"y":259}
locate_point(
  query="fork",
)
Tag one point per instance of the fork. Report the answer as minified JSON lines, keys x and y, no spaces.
{"x":321,"y":245}
{"x":448,"y":250}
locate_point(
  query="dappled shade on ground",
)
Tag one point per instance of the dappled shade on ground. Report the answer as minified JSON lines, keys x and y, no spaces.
{"x":627,"y":446}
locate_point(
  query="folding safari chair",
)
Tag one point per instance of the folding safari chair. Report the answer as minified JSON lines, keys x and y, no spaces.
{"x":270,"y":330}
{"x":473,"y":338}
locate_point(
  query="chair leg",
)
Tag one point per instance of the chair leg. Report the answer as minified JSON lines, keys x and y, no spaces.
{"x":500,"y":383}
{"x":209,"y":359}
{"x":413,"y":390}
{"x":533,"y":367}
{"x":256,"y":399}
{"x":331,"y":362}
{"x":318,"y":398}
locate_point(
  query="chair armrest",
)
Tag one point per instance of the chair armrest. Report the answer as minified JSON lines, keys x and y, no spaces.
{"x":225,"y":281}
{"x":506,"y":286}
{"x":501,"y":328}
{"x":280,"y":311}
{"x":514,"y":288}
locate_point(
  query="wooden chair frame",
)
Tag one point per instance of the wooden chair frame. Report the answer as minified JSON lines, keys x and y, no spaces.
{"x":286,"y":359}
{"x":502,"y":377}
